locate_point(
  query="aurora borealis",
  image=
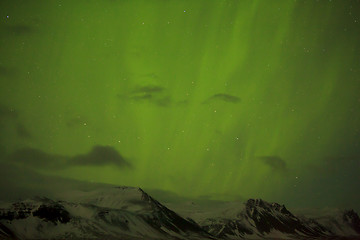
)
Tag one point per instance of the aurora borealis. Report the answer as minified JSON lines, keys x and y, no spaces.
{"x":212,"y":99}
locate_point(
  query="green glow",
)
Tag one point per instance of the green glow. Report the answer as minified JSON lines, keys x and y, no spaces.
{"x":74,"y":70}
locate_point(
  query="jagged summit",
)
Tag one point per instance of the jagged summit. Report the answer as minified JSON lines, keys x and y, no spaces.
{"x":259,"y":203}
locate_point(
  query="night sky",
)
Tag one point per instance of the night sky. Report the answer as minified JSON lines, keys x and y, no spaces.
{"x":222,"y":100}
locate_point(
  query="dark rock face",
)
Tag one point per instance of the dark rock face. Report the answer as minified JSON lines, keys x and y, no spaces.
{"x":265,"y":221}
{"x":269,"y":216}
{"x":268,"y":207}
{"x":52,"y":213}
{"x":352,"y":218}
{"x":226,"y":227}
{"x":117,"y":220}
{"x":48,"y":211}
{"x":18,"y":210}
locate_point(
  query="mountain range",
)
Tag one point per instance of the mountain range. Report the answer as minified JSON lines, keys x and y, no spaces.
{"x":129,"y":213}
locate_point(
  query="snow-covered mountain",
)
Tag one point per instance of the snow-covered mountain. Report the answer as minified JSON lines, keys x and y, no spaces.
{"x":129,"y":213}
{"x":112,"y":213}
{"x":341,"y":223}
{"x":257,"y":219}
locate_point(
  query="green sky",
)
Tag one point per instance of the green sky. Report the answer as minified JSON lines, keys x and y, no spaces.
{"x":213,"y":99}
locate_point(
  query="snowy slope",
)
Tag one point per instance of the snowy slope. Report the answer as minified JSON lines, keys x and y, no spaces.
{"x":257,"y":219}
{"x":113,"y":213}
{"x":341,"y":223}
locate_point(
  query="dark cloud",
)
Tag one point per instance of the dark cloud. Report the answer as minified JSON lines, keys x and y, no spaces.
{"x":7,"y":71}
{"x":223,"y":97}
{"x":164,"y":101}
{"x":20,"y":182}
{"x":98,"y":156}
{"x":22,"y":131}
{"x":18,"y":29}
{"x":6,"y":112}
{"x":37,"y":159}
{"x":11,"y":115}
{"x":149,"y":89}
{"x":275,"y":162}
{"x":146,"y":96}
{"x":182,"y":103}
{"x":153,"y":94}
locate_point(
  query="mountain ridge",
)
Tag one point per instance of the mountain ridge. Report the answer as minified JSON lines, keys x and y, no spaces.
{"x":131,"y":213}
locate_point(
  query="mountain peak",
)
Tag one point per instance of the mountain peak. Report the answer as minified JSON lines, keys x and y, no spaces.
{"x":259,"y":203}
{"x":128,"y":212}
